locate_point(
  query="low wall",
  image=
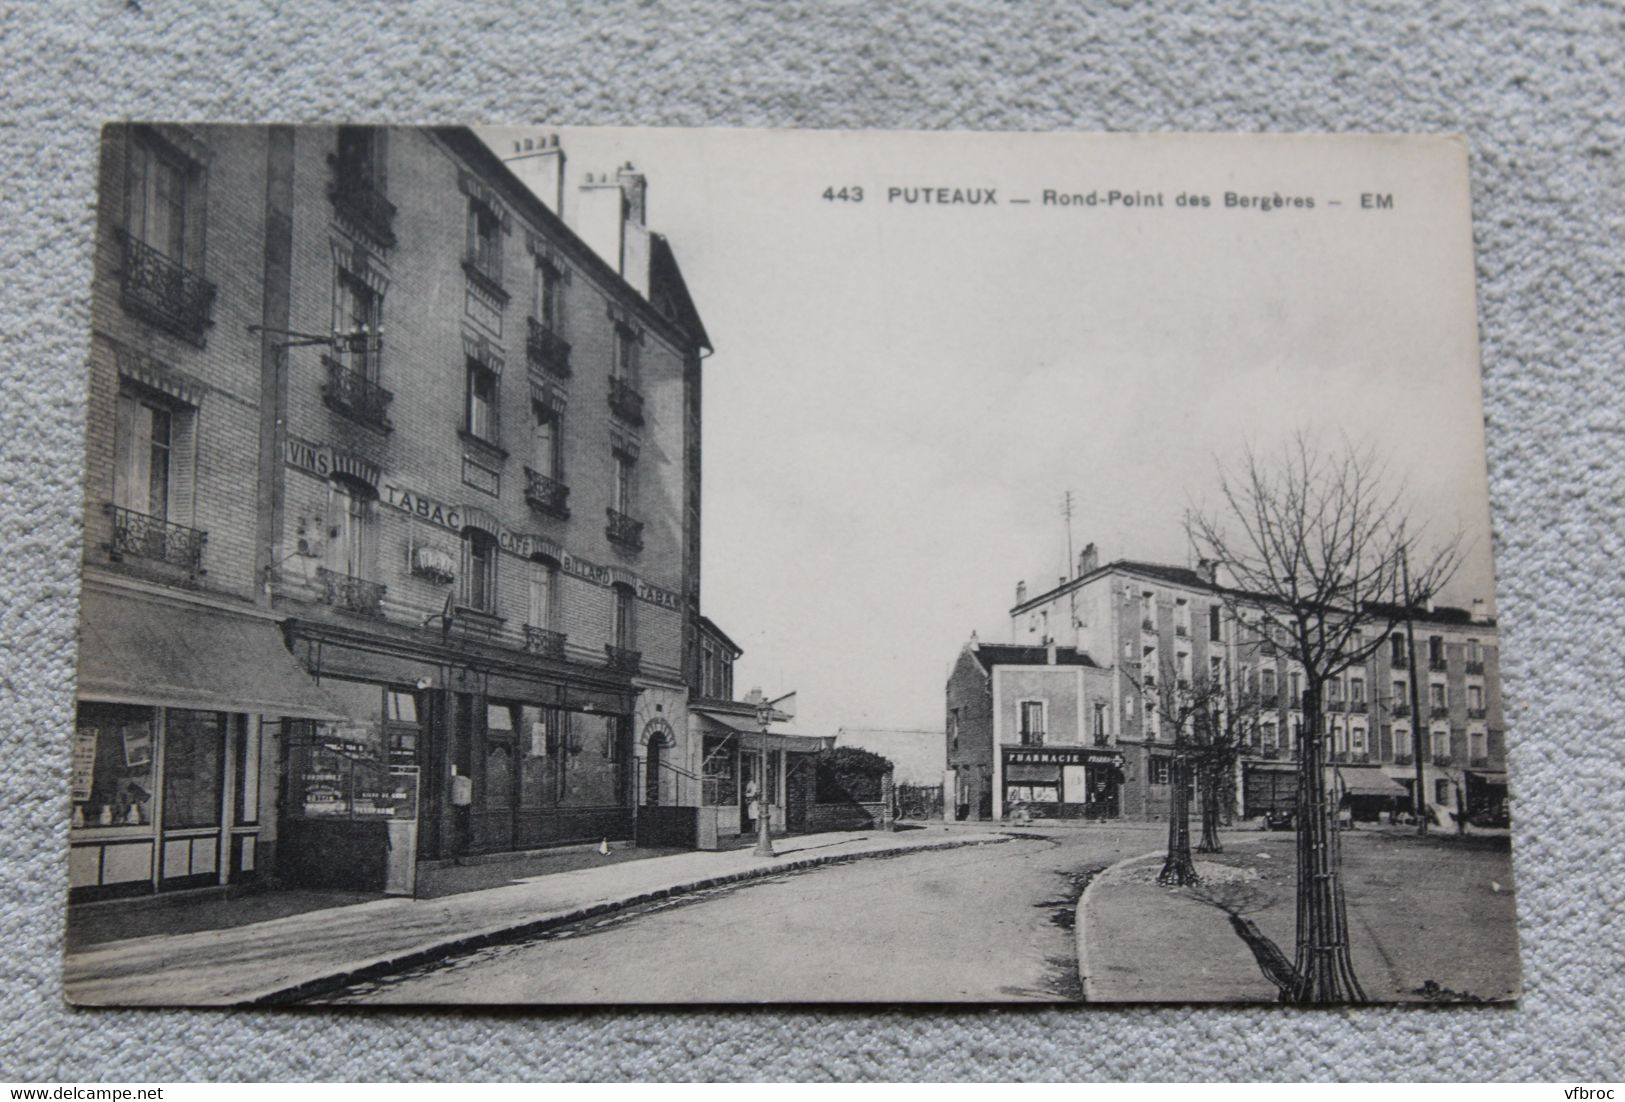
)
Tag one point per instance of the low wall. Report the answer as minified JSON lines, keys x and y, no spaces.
{"x":876,"y":815}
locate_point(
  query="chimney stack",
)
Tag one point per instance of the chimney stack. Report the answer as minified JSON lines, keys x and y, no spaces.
{"x":1021,"y":593}
{"x":1480,"y":613}
{"x":1049,"y":652}
{"x":539,"y":162}
{"x":1088,"y":559}
{"x":1209,"y":570}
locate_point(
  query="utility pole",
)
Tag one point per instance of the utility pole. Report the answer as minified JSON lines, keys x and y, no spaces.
{"x":1066,"y":511}
{"x":1418,"y":805}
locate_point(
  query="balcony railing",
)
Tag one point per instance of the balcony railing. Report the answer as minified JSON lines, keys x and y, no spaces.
{"x":1441,"y":759}
{"x":1357,"y":706}
{"x":1476,"y":713}
{"x":1402,"y":759}
{"x":1336,"y":706}
{"x":548,"y":495}
{"x":1269,"y":700}
{"x":1440,"y":711}
{"x":623,"y":660}
{"x":1438,"y":665}
{"x":624,"y":401}
{"x":350,"y":593}
{"x":547,"y":350}
{"x":164,"y":292}
{"x":1032,"y":738}
{"x":1270,"y":753}
{"x":360,"y":203}
{"x":1475,"y":668}
{"x":1479,"y":761}
{"x":1148,"y":624}
{"x":625,"y":531}
{"x":548,"y":644}
{"x":356,"y":396}
{"x":1401,"y":711}
{"x":144,"y":537}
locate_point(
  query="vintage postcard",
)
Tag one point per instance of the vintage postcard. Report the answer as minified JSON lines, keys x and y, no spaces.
{"x":534,"y":565}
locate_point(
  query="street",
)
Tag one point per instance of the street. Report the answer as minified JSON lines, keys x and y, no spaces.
{"x":985,"y":923}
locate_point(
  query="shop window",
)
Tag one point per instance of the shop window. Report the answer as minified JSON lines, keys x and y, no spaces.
{"x":480,"y":406}
{"x":1441,"y":792}
{"x":401,"y":727}
{"x":596,"y":760}
{"x":1159,"y":771}
{"x":114,"y":749}
{"x":247,"y":791}
{"x":719,"y":777}
{"x":479,"y":574}
{"x":537,"y":749}
{"x":194,"y":746}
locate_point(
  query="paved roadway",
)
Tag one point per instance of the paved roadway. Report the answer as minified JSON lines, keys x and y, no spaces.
{"x":978,"y":924}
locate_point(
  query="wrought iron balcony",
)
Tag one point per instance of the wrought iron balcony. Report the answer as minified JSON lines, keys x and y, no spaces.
{"x":356,"y":396}
{"x":1401,"y":711}
{"x":1270,"y":753}
{"x":625,"y":531}
{"x":1032,"y":738}
{"x":1268,"y":700}
{"x":141,"y":536}
{"x":1476,"y":713}
{"x":547,"y":495}
{"x":548,"y":644}
{"x":1440,"y":711}
{"x":1438,"y":665}
{"x":1357,"y":706}
{"x":1336,"y":706}
{"x":351,"y":593}
{"x":1479,"y":761}
{"x":625,"y":402}
{"x":165,"y":293}
{"x":1441,"y":759}
{"x":1402,"y":759}
{"x":357,"y":201}
{"x":623,"y":660}
{"x":547,"y":350}
{"x":1476,"y":668}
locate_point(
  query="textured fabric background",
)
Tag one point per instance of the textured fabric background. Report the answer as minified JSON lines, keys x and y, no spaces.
{"x":1538,"y":90}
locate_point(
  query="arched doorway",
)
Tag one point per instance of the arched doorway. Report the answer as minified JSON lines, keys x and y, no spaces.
{"x":657,"y":738}
{"x":651,"y":777}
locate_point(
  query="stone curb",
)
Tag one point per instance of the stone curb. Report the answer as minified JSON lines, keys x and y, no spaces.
{"x":428,"y":954}
{"x":1080,"y":926}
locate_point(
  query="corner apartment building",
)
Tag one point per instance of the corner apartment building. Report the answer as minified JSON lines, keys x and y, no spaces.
{"x":1139,"y":621}
{"x":393,"y":501}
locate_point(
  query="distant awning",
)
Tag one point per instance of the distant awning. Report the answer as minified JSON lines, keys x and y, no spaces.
{"x":750,"y":736}
{"x":1485,"y":776}
{"x":1365,"y":780}
{"x":136,"y":650}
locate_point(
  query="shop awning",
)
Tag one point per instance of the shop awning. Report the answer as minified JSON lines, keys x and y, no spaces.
{"x":1365,"y":780}
{"x":140,"y":650}
{"x":1486,"y":776}
{"x":750,"y":736}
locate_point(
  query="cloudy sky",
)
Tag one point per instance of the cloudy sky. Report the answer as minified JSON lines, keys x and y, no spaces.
{"x":901,"y":393}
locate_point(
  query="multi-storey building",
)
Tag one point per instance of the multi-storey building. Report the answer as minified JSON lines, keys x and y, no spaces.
{"x":393,"y":501}
{"x":1144,"y":621}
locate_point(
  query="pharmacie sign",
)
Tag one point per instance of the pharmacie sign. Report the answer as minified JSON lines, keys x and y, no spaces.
{"x":1050,"y":757}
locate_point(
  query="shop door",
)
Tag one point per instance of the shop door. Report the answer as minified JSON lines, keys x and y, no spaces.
{"x":748,"y":780}
{"x":1270,"y":790}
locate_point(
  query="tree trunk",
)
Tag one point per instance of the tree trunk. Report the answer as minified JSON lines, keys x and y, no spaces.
{"x":1178,"y":869}
{"x":1210,"y":810}
{"x":1323,"y":971}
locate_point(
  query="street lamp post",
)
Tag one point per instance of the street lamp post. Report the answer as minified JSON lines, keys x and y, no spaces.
{"x":764,"y":841}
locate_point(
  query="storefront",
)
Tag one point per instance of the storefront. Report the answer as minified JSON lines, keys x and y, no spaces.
{"x":1056,"y":783}
{"x":453,"y":750}
{"x":731,"y":749}
{"x":177,"y":722}
{"x":1366,"y":793}
{"x":1487,"y":798}
{"x":1268,"y":786}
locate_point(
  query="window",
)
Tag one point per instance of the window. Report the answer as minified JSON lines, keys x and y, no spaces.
{"x":1436,"y":651}
{"x":480,"y":413}
{"x":953,"y":730}
{"x":159,"y":195}
{"x":479,"y":582}
{"x":544,"y":304}
{"x":113,"y":783}
{"x":141,"y":475}
{"x":485,"y":241}
{"x":1296,"y":690}
{"x":1357,"y":740}
{"x":1100,"y":722}
{"x":194,"y":751}
{"x":349,"y":544}
{"x":1441,"y":744}
{"x":1214,"y":625}
{"x":543,"y":586}
{"x":360,"y":161}
{"x":1441,"y":791}
{"x":1475,"y":697}
{"x":1271,"y":739}
{"x":547,"y":442}
{"x":1396,"y":649}
{"x":1268,"y":685}
{"x":625,"y":622}
{"x":1334,"y":690}
{"x":1475,"y":652}
{"x":1402,"y":697}
{"x":1031,"y":722}
{"x":1357,"y":690}
{"x":1436,"y":695}
{"x":401,"y":727}
{"x":357,"y":310}
{"x":626,"y":354}
{"x":1402,"y":742}
{"x":1160,"y":770}
{"x":621,"y":489}
{"x":719,"y":783}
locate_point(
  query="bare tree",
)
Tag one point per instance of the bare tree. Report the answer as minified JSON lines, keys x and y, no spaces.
{"x":1316,"y":546}
{"x":1179,"y":702}
{"x":1227,"y":724}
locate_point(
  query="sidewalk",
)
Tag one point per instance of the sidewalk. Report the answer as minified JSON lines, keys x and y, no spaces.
{"x":1431,"y":920}
{"x":287,"y":957}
